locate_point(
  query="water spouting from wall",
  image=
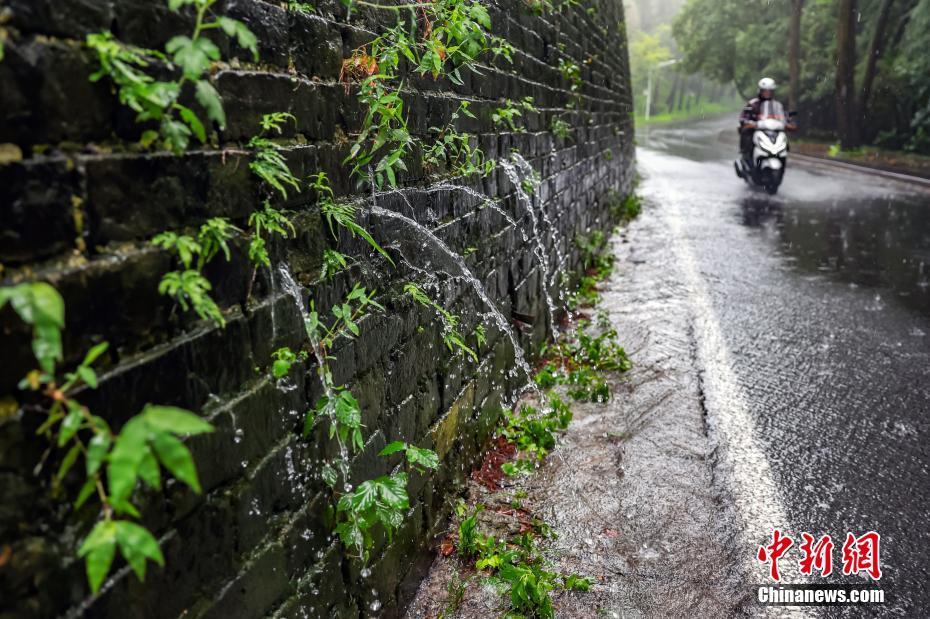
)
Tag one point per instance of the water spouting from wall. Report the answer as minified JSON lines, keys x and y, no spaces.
{"x":465,"y":273}
{"x":542,"y":256}
{"x":293,"y":290}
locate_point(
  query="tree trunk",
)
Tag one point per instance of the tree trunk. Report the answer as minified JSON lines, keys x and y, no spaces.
{"x":794,"y":55}
{"x":672,"y":96}
{"x":876,"y":49}
{"x":845,"y":90}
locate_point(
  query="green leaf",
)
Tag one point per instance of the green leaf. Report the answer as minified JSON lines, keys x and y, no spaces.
{"x":137,"y":544}
{"x":127,"y":454}
{"x":425,"y":458}
{"x":393,"y":448}
{"x":148,"y":138}
{"x":280,"y":368}
{"x":148,"y":470}
{"x":125,"y":507}
{"x":348,"y":412}
{"x":193,"y":56}
{"x":176,"y":134}
{"x":88,"y":376}
{"x":193,"y":122}
{"x":329,"y":475}
{"x":85,"y":492}
{"x":175,"y":457}
{"x":94,"y":353}
{"x":68,"y":462}
{"x":209,"y":98}
{"x":46,"y":345}
{"x":175,"y":420}
{"x":393,"y":491}
{"x":362,"y":498}
{"x":47,"y":304}
{"x":97,"y":450}
{"x":244,"y":36}
{"x":98,"y":549}
{"x":70,"y":425}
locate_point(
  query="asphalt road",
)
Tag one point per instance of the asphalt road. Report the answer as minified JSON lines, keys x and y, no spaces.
{"x":811,"y":320}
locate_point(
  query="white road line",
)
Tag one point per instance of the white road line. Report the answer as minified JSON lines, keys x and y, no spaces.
{"x":743,"y":462}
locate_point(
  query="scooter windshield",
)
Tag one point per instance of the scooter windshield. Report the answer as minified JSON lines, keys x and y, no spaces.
{"x":772,"y":116}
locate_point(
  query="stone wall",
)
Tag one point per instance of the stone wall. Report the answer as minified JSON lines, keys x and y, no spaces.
{"x":80,"y":206}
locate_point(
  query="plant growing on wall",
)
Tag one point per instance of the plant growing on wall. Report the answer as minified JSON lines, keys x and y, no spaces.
{"x":158,"y":101}
{"x":337,"y":405}
{"x":381,"y":501}
{"x":451,"y":336}
{"x":340,"y":215}
{"x":264,"y":224}
{"x":506,"y":115}
{"x":115,"y":463}
{"x":455,"y":35}
{"x":268,"y":162}
{"x":454,"y":151}
{"x":189,"y":287}
{"x":560,"y":128}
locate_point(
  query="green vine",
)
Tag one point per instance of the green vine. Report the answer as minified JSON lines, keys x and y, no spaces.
{"x":158,"y":101}
{"x":189,"y":287}
{"x":268,"y":162}
{"x":505,"y":116}
{"x":454,"y":151}
{"x":115,"y":463}
{"x":451,"y":336}
{"x":455,"y":34}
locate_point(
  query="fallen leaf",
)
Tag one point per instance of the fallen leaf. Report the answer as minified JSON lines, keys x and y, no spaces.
{"x":447,"y":547}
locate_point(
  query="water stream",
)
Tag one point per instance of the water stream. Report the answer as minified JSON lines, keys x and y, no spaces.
{"x":487,"y":201}
{"x":293,"y":290}
{"x":553,"y":230}
{"x":540,"y":249}
{"x":466,"y":274}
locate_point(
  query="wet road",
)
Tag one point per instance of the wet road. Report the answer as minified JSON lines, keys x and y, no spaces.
{"x":811,"y":315}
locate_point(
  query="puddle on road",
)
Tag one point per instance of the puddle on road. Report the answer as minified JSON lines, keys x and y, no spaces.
{"x":873,"y":242}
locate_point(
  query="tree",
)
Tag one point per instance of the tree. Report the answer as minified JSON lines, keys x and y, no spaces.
{"x":876,"y":49}
{"x":794,"y":54}
{"x":845,"y":83}
{"x":646,"y":53}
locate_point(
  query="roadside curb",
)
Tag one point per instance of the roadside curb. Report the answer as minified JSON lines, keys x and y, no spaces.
{"x":897,"y":176}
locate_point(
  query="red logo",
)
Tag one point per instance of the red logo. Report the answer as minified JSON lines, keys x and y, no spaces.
{"x":773,"y":552}
{"x":817,"y":556}
{"x":860,"y":554}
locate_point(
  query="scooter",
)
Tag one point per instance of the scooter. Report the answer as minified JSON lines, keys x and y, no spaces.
{"x":766,"y":169}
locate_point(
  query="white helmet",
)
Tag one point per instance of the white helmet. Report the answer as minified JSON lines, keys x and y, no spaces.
{"x":766,"y":83}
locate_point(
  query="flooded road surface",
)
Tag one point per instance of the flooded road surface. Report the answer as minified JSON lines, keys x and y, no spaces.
{"x":811,"y":316}
{"x":781,"y":379}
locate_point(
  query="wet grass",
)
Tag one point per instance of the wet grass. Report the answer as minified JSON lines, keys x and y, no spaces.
{"x":896,"y":160}
{"x":695,"y":113}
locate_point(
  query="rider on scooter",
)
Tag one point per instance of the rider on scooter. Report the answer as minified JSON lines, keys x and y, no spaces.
{"x":751,"y":113}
